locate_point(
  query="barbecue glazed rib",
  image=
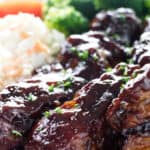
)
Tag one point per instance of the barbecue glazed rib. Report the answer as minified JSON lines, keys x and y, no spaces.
{"x":22,"y":103}
{"x":138,"y":138}
{"x":130,"y":112}
{"x":132,"y":106}
{"x":90,"y":54}
{"x":79,"y":124}
{"x":30,"y":115}
{"x":141,"y":50}
{"x":121,"y":25}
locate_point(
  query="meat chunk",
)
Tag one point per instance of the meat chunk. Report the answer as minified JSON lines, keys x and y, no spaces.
{"x":122,"y":25}
{"x":132,"y":107}
{"x":137,"y":143}
{"x":22,"y":104}
{"x":79,"y":124}
{"x":90,"y":54}
{"x":138,"y":138}
{"x":141,"y":50}
{"x":147,"y":25}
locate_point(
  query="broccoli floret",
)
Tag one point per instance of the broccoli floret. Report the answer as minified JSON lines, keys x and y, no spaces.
{"x":86,"y":7}
{"x":66,"y":19}
{"x":55,"y":3}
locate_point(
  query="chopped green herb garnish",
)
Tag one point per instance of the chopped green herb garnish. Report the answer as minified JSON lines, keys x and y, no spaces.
{"x":47,"y":114}
{"x":95,"y":57}
{"x":134,"y":74}
{"x":67,"y":84}
{"x":126,"y":79}
{"x":122,"y":87}
{"x":16,"y":133}
{"x":32,"y":98}
{"x":83,"y":55}
{"x":58,"y":110}
{"x":76,"y":105}
{"x":51,"y":88}
{"x":108,"y":69}
{"x":124,"y":69}
{"x":73,"y":49}
{"x":129,"y":51}
{"x":130,"y":61}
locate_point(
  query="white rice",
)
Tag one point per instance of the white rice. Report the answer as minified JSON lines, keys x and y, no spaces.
{"x":25,"y":43}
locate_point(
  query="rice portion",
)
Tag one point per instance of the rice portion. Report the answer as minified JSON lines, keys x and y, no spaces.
{"x":25,"y":43}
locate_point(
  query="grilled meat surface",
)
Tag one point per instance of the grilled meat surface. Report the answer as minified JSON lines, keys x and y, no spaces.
{"x":121,"y":25}
{"x":58,"y":110}
{"x":90,"y":54}
{"x":80,"y":123}
{"x":23,"y":103}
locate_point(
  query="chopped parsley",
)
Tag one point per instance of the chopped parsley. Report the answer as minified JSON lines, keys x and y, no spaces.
{"x":76,"y":105}
{"x":95,"y":57}
{"x":124,"y":69}
{"x":58,"y":110}
{"x":47,"y":114}
{"x":83,"y":55}
{"x":51,"y":88}
{"x":31,"y":98}
{"x":134,"y":74}
{"x":122,"y":87}
{"x":16,"y":133}
{"x":126,"y":79}
{"x":67,"y":84}
{"x":109,"y":69}
{"x":73,"y":49}
{"x":130,"y":61}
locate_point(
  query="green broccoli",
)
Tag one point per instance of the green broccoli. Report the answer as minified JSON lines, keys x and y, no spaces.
{"x":66,"y":19}
{"x":54,"y":3}
{"x":86,"y":7}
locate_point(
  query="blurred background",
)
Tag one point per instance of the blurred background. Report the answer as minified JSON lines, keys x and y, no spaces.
{"x":66,"y":15}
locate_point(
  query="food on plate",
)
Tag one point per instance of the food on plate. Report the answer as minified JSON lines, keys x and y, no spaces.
{"x":66,"y":19}
{"x":90,"y":97}
{"x":81,"y":123}
{"x":25,"y":43}
{"x":15,"y":6}
{"x":21,"y":104}
{"x":90,"y":54}
{"x":141,"y":53}
{"x":129,"y":113}
{"x":121,"y":25}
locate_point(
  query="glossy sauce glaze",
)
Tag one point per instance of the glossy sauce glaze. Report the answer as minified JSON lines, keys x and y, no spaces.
{"x":90,"y":54}
{"x":23,"y":103}
{"x":80,"y":123}
{"x":51,"y":111}
{"x":121,"y":25}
